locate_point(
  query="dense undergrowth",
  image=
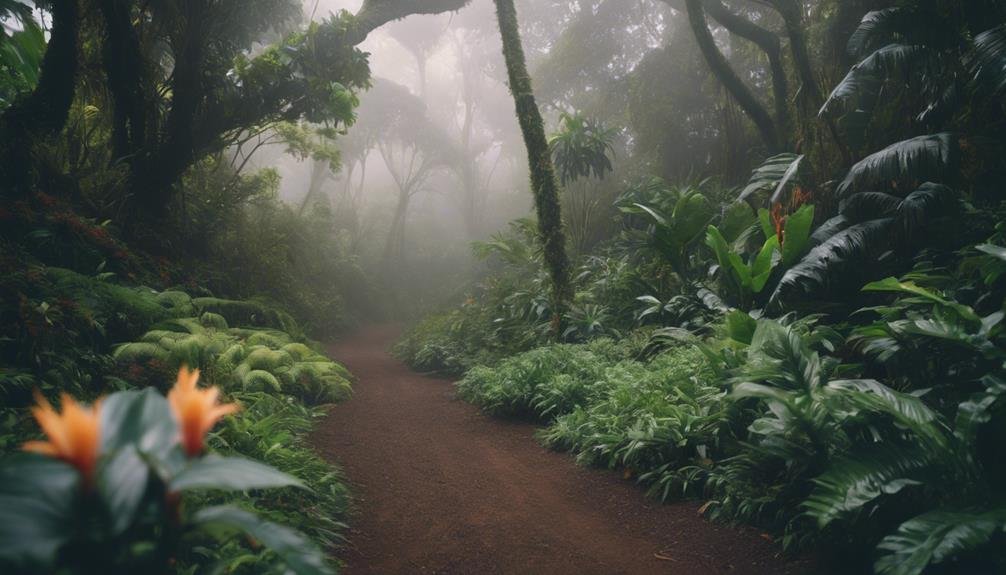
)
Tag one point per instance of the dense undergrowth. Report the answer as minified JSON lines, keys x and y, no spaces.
{"x":818,"y":353}
{"x":92,"y":333}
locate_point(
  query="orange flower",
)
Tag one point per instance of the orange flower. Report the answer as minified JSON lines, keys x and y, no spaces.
{"x":73,"y":435}
{"x":800,"y":197}
{"x":195,"y":409}
{"x":779,"y":219}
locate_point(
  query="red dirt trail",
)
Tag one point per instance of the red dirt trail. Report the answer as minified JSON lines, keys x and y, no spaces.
{"x":442,"y":488}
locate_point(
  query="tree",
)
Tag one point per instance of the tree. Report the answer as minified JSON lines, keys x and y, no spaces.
{"x":543,"y":184}
{"x":729,"y":78}
{"x":580,"y":151}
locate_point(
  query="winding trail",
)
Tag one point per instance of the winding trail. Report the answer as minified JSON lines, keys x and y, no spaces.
{"x":441,"y":488}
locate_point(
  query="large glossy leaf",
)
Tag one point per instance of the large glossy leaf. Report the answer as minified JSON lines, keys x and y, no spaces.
{"x":926,"y":203}
{"x":933,"y":158}
{"x":230,"y":474}
{"x":893,"y":285}
{"x":841,"y":257}
{"x":789,"y":176}
{"x":763,"y":263}
{"x":989,"y":61}
{"x":140,"y":418}
{"x":299,"y":554}
{"x":796,"y":237}
{"x":934,"y":537}
{"x":853,"y":482}
{"x":767,"y":176}
{"x":37,"y":496}
{"x":122,"y":482}
{"x":864,"y":79}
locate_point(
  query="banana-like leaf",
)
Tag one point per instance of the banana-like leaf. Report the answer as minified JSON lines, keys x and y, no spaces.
{"x":931,"y":158}
{"x":854,"y":482}
{"x":300,"y":554}
{"x":796,"y":237}
{"x":834,"y":260}
{"x":870,"y":205}
{"x":919,"y":207}
{"x":767,"y":176}
{"x":988,"y":63}
{"x":934,"y":537}
{"x":864,"y":78}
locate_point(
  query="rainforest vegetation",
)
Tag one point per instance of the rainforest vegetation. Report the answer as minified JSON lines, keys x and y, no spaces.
{"x":748,"y":253}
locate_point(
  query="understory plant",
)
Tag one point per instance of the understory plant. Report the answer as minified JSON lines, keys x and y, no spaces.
{"x":110,"y":489}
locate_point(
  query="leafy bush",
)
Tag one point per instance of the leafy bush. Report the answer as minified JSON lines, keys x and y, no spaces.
{"x":123,"y":469}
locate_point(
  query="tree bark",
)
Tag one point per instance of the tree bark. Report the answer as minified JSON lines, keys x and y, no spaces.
{"x":543,"y":184}
{"x":769,"y":43}
{"x":729,"y":78}
{"x":44,"y":112}
{"x":123,"y":64}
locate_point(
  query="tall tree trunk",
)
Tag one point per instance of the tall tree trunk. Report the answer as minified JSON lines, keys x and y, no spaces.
{"x":729,"y":78}
{"x":124,"y":70}
{"x":42,"y":113}
{"x":543,"y":184}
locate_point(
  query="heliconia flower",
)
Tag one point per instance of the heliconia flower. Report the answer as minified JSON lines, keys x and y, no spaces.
{"x":195,"y":410}
{"x":779,"y":219}
{"x":73,"y":435}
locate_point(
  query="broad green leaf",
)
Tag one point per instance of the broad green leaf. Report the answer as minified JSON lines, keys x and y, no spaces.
{"x":909,"y":288}
{"x":796,"y":237}
{"x":936,"y":536}
{"x":297,"y":551}
{"x":141,"y":418}
{"x":37,"y":496}
{"x":122,"y":482}
{"x":767,"y":227}
{"x":737,"y":217}
{"x":231,"y":474}
{"x":741,"y":326}
{"x":761,"y":269}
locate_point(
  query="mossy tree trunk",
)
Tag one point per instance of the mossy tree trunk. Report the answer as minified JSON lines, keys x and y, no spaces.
{"x":543,"y":184}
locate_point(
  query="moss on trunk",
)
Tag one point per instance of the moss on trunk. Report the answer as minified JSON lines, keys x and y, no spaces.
{"x":543,"y":184}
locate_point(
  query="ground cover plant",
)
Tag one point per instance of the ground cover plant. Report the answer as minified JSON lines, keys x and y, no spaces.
{"x":759,"y":262}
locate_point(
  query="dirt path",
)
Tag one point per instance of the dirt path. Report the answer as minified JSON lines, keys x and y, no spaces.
{"x":442,"y":488}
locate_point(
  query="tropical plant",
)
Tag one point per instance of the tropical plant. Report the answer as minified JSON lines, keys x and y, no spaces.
{"x":676,"y":218}
{"x":122,"y":469}
{"x":786,"y":240}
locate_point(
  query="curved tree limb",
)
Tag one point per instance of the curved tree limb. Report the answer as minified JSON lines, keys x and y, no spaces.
{"x":376,"y":13}
{"x":728,"y":77}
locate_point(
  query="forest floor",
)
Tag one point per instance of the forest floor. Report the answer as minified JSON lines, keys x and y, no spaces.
{"x":442,"y":488}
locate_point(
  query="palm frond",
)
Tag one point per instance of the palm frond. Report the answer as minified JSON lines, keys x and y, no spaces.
{"x":932,"y":157}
